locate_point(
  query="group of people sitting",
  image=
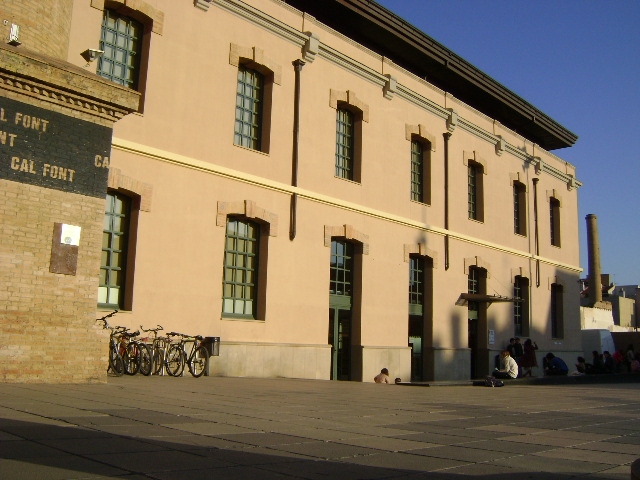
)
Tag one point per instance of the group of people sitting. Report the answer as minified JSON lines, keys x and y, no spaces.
{"x":517,"y":360}
{"x":610,"y":363}
{"x":511,"y":368}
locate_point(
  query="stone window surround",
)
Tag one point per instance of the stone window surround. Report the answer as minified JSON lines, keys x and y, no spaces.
{"x":250,"y":210}
{"x":123,"y":183}
{"x":349,"y":98}
{"x":256,"y":59}
{"x":347,"y":232}
{"x":156,"y":16}
{"x":421,"y":250}
{"x":477,"y":261}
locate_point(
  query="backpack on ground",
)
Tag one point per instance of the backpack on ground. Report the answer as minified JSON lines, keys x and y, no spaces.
{"x":491,"y":381}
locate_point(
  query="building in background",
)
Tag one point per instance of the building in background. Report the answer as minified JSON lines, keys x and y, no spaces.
{"x":329,"y":191}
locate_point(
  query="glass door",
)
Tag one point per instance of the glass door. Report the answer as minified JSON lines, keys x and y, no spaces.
{"x":340,"y":341}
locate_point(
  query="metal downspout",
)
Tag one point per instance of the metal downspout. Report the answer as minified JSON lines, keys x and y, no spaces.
{"x":535,"y":229}
{"x":446,"y":136}
{"x":297,"y":66}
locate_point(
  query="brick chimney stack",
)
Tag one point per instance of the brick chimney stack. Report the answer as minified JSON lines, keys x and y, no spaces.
{"x":593,"y":247}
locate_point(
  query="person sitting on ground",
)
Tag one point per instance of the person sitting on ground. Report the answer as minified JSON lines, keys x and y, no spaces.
{"x":634,"y":367}
{"x":597,"y":362}
{"x":509,"y":366}
{"x":555,"y":365}
{"x":382,"y":377}
{"x":581,"y":366}
{"x":609,"y":362}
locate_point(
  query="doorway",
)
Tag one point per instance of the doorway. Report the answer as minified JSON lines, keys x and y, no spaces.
{"x":340,"y":341}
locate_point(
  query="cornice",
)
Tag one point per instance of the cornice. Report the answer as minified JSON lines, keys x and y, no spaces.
{"x":263,"y":20}
{"x":332,"y":55}
{"x":63,"y":84}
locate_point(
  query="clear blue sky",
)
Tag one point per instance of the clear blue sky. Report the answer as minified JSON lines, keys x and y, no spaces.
{"x":579,"y":62}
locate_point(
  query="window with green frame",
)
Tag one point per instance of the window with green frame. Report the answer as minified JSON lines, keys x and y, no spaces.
{"x":239,"y":297}
{"x":521,"y":306}
{"x":473,"y":287}
{"x":345,"y":148}
{"x":341,"y":267}
{"x":416,"y":284}
{"x":472,"y":191}
{"x":475,"y":191}
{"x":249,"y":104}
{"x":417,"y":171}
{"x":111,"y":289}
{"x":120,"y":40}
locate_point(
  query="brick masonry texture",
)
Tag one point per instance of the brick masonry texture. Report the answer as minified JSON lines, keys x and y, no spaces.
{"x":47,"y":320}
{"x":44,"y":24}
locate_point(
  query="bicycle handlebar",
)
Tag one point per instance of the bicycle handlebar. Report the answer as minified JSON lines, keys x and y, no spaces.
{"x":155,"y":330}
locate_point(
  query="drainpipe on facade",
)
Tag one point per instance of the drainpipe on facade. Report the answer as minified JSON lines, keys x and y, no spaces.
{"x":297,"y":68}
{"x":446,"y":136}
{"x":535,"y":229}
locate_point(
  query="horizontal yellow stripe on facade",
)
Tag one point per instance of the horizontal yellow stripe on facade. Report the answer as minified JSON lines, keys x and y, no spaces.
{"x":218,"y":170}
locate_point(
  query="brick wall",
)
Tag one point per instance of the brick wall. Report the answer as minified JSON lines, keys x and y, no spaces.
{"x":44,"y":24}
{"x":47,"y":320}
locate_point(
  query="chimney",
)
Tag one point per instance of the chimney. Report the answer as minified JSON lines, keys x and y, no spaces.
{"x":593,"y":247}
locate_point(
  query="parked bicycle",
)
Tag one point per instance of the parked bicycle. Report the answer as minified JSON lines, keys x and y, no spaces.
{"x":116,"y":363}
{"x":165,"y":353}
{"x":198,"y":357}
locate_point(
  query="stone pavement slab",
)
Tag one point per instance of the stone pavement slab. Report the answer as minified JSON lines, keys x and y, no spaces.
{"x":160,"y":428}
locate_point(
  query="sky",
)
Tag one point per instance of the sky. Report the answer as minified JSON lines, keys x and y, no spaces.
{"x":578,"y":61}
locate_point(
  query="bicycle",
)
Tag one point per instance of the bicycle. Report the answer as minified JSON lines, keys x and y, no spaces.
{"x":198,"y":358}
{"x":135,"y":354}
{"x":157,"y":347}
{"x":116,"y":363}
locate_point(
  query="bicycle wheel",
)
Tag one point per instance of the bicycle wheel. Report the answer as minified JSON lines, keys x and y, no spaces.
{"x":116,"y":365}
{"x":131,"y":359}
{"x":175,"y":361}
{"x":146,"y":363}
{"x":199,"y":361}
{"x":158,"y":361}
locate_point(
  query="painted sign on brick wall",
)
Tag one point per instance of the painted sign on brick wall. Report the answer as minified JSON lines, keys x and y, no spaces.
{"x":52,"y":150}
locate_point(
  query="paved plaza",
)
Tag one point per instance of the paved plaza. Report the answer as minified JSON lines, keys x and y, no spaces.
{"x":243,"y":428}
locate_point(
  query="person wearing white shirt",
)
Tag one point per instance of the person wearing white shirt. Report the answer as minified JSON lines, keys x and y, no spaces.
{"x":509,"y":367}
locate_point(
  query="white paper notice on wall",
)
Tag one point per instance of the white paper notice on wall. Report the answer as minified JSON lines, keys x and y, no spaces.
{"x":70,"y":235}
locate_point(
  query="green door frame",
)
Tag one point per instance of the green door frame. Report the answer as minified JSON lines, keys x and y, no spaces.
{"x":340,"y":336}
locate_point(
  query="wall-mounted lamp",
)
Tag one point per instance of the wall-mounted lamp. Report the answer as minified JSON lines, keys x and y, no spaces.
{"x":91,"y":54}
{"x":14,"y":33}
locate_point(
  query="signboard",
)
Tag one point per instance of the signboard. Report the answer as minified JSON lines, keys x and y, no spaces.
{"x":52,"y":150}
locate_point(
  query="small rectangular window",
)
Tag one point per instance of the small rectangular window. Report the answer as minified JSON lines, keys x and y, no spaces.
{"x":417,"y":171}
{"x":519,"y":209}
{"x":345,"y":148}
{"x":472,"y":191}
{"x":249,"y":103}
{"x":341,"y":268}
